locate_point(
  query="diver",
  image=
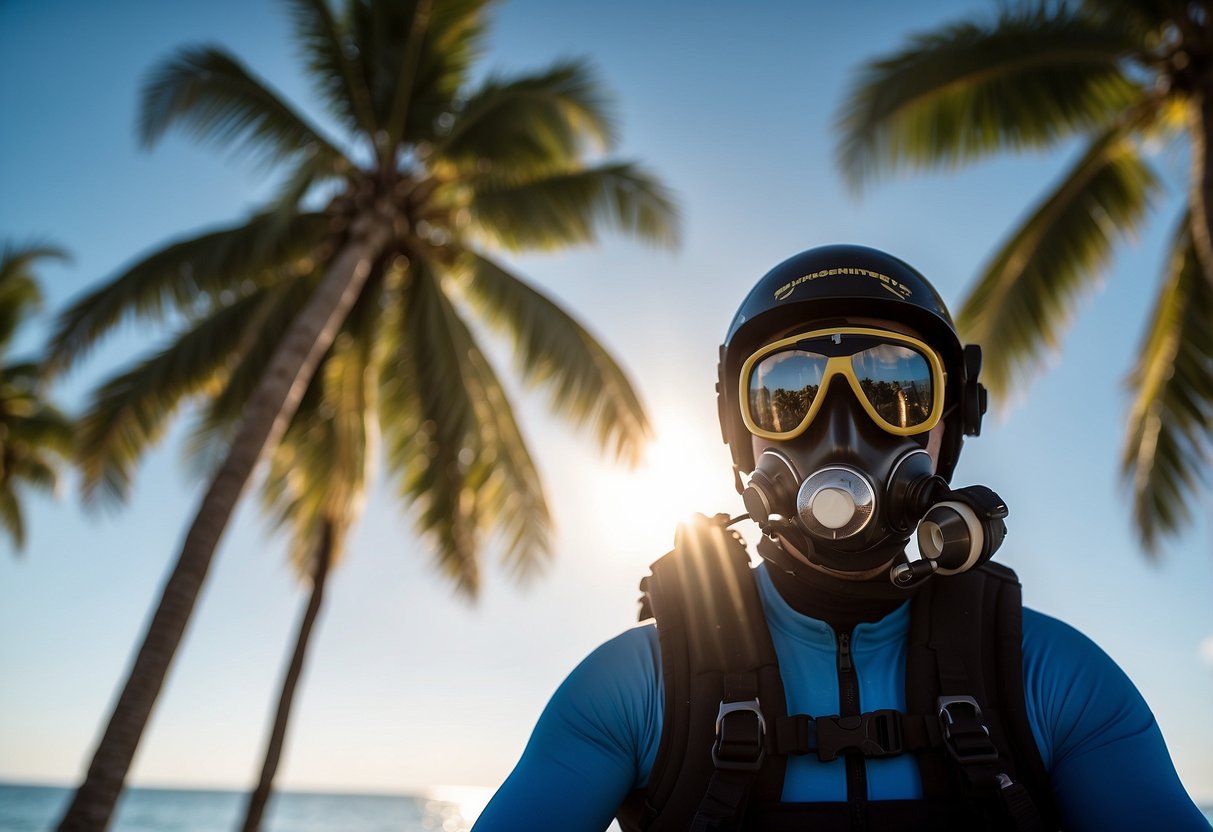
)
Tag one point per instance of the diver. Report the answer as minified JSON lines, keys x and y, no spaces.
{"x":839,"y":684}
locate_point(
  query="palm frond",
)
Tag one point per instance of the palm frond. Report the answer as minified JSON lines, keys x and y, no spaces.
{"x":530,"y":122}
{"x":216,"y":100}
{"x":311,"y":170}
{"x":333,"y":62}
{"x":435,"y":456}
{"x":43,"y":426}
{"x":1025,"y":296}
{"x":1145,"y":18}
{"x":20,"y":294}
{"x":130,"y":412}
{"x":16,"y":259}
{"x":186,"y":273}
{"x":570,"y":206}
{"x":505,"y":480}
{"x":552,"y":349}
{"x":500,"y":491}
{"x":406,"y":71}
{"x":1168,"y":443}
{"x":34,"y":472}
{"x":1029,"y":78}
{"x":23,"y":376}
{"x":11,"y":518}
{"x":454,"y":38}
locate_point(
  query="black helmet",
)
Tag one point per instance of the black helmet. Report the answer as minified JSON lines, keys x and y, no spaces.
{"x":842,"y":282}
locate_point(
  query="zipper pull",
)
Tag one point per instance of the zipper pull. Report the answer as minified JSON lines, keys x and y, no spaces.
{"x":844,"y":651}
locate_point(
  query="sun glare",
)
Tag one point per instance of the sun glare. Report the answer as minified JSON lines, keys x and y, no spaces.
{"x":684,"y":471}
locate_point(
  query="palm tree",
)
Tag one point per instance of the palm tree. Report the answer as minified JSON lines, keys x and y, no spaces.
{"x":34,"y":436}
{"x":381,"y":238}
{"x":1123,"y":78}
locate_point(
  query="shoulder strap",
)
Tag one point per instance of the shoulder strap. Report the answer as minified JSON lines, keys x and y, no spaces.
{"x":720,"y":670}
{"x":965,"y":657}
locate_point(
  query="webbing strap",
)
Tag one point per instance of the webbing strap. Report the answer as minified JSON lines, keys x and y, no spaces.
{"x":723,"y":806}
{"x":955,"y":633}
{"x":1021,"y":808}
{"x":734,"y":672}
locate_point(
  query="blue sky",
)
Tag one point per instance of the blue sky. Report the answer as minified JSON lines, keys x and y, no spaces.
{"x":407,"y":687}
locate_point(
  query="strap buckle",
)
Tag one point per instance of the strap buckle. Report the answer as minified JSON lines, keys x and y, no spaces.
{"x":875,"y":733}
{"x":965,"y":735}
{"x":739,"y":742}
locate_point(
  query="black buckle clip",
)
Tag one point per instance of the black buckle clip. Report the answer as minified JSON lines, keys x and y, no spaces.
{"x":738,"y":746}
{"x":876,"y":734}
{"x":967,"y":728}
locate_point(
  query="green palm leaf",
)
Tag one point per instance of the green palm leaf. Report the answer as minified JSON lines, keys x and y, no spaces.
{"x":11,"y":518}
{"x":34,"y":435}
{"x":33,"y":472}
{"x":566,"y":207}
{"x":588,"y":387}
{"x":131,"y":411}
{"x":1025,"y":296}
{"x":37,"y":426}
{"x":1147,"y":19}
{"x":17,"y":259}
{"x":1168,"y":443}
{"x":427,"y":80}
{"x":334,"y":64}
{"x":1027,"y":79}
{"x":311,"y":170}
{"x":188,"y":275}
{"x":508,"y":489}
{"x":20,"y":379}
{"x":529,"y":122}
{"x":209,"y":93}
{"x":20,"y":295}
{"x":463,"y":458}
{"x":434,"y":458}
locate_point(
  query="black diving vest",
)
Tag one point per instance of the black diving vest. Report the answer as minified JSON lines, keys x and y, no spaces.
{"x":726,"y":733}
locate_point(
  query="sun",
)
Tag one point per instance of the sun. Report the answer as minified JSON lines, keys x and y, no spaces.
{"x":685,"y":470}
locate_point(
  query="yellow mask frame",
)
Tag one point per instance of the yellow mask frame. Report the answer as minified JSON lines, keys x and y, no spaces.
{"x":842,"y":365}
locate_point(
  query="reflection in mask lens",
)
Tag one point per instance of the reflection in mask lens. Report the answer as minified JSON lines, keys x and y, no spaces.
{"x":896,"y":380}
{"x":782,"y":388}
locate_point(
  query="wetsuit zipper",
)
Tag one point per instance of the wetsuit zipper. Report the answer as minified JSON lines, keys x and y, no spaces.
{"x":848,"y":705}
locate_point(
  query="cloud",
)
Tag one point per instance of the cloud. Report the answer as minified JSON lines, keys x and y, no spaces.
{"x":1206,"y":650}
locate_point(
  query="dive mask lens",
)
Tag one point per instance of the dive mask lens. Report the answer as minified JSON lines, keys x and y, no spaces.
{"x":783,"y":387}
{"x":898,"y":379}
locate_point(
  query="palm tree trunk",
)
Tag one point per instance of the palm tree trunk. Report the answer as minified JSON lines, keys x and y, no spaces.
{"x":1200,"y":198}
{"x":270,"y":410}
{"x":273,"y":752}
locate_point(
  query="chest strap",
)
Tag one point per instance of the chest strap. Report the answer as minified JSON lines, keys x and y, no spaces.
{"x":744,"y":738}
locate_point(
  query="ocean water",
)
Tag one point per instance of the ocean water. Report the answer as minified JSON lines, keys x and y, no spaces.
{"x":37,"y":808}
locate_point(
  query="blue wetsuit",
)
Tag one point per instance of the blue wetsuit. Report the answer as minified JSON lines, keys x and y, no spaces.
{"x":598,"y":736}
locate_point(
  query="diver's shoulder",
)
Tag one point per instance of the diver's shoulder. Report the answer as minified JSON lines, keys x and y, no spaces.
{"x":634,"y":653}
{"x":1049,"y":639}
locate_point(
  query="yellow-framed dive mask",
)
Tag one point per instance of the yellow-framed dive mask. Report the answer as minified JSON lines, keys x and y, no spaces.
{"x":898,"y":379}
